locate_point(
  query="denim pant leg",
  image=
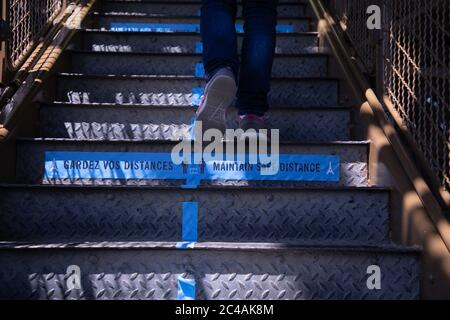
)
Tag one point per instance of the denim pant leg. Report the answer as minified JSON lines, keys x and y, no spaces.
{"x":217,"y":25}
{"x":257,"y":55}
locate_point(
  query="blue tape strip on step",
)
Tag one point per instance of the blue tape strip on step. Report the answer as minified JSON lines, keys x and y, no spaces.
{"x":189,"y":222}
{"x":186,"y":289}
{"x":198,"y":47}
{"x":199,"y":70}
{"x":179,"y":27}
{"x":154,"y":27}
{"x":192,"y":128}
{"x":197,"y":94}
{"x":159,"y":166}
{"x":193,"y":176}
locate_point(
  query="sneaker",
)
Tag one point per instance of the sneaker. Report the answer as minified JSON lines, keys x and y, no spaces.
{"x":254,"y":124}
{"x":220,"y":92}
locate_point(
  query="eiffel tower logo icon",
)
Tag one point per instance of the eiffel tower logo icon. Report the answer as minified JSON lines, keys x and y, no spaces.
{"x":330,"y":171}
{"x":54,"y":169}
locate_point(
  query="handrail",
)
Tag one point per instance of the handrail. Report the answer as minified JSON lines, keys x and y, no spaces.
{"x":362,"y":89}
{"x":32,"y":73}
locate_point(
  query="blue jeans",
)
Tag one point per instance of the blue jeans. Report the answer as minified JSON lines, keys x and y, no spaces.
{"x":220,"y":47}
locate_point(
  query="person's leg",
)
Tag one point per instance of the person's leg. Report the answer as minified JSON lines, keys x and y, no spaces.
{"x":219,"y":58}
{"x":257,"y":56}
{"x":217,"y":25}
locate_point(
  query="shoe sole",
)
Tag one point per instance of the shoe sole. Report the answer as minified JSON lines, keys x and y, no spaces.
{"x":220,"y":95}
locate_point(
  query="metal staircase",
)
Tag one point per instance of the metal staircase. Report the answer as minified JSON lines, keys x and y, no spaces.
{"x":129,"y":85}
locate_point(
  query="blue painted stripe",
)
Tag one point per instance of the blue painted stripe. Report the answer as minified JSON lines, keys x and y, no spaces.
{"x":281,"y":28}
{"x":192,"y":128}
{"x":185,"y":245}
{"x":179,"y":27}
{"x":148,"y":166}
{"x":154,"y":27}
{"x":198,"y":47}
{"x":190,"y":222}
{"x":197,"y":94}
{"x":193,"y":176}
{"x":186,"y":289}
{"x":199,"y":70}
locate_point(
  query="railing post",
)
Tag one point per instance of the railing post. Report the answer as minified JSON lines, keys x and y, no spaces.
{"x":3,"y":32}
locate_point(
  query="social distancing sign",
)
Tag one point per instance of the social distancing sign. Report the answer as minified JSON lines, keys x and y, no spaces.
{"x":159,"y":166}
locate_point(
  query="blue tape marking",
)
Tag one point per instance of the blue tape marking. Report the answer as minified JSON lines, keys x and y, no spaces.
{"x":186,"y":289}
{"x":288,"y":28}
{"x":179,"y":27}
{"x":198,"y":47}
{"x":199,"y":70}
{"x":193,"y":176}
{"x":189,"y":221}
{"x":197,"y":94}
{"x":281,"y":28}
{"x":148,"y":166}
{"x":192,"y":128}
{"x":185,"y":245}
{"x":111,"y":165}
{"x":154,"y":27}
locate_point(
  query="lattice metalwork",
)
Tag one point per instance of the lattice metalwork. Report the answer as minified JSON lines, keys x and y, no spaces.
{"x":416,"y":68}
{"x":28,"y":20}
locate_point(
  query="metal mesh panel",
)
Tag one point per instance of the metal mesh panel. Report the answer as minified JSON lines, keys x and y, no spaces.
{"x":28,"y":19}
{"x":352,"y":17}
{"x":416,"y":70}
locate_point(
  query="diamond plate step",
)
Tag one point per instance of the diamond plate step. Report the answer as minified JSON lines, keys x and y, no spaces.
{"x":181,"y":24}
{"x":178,"y":90}
{"x":112,"y":122}
{"x":188,"y":8}
{"x":306,"y":65}
{"x":157,"y":42}
{"x":31,"y":159}
{"x":326,"y":217}
{"x":221,"y":271}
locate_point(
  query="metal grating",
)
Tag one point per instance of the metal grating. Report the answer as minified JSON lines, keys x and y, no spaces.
{"x":28,"y":20}
{"x":415,"y":40}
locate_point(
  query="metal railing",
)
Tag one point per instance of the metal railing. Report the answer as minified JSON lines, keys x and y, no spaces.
{"x":27,"y":21}
{"x":409,"y":58}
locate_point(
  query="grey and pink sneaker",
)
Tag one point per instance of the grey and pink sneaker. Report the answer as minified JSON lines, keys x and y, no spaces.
{"x":254,"y":123}
{"x":219,"y":94}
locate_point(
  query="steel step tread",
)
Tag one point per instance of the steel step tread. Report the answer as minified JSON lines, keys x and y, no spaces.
{"x":186,"y":90}
{"x":175,"y":17}
{"x":65,"y":104}
{"x":329,"y":216}
{"x":175,"y":77}
{"x":285,"y":143}
{"x":98,"y":62}
{"x":220,"y":271}
{"x":197,"y":1}
{"x":187,"y":54}
{"x":31,"y":159}
{"x":219,"y":246}
{"x":137,"y":122}
{"x":121,"y":14}
{"x":176,"y":23}
{"x":178,"y":33}
{"x":283,"y":2}
{"x":108,"y":40}
{"x":104,"y":14}
{"x":9,"y":186}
